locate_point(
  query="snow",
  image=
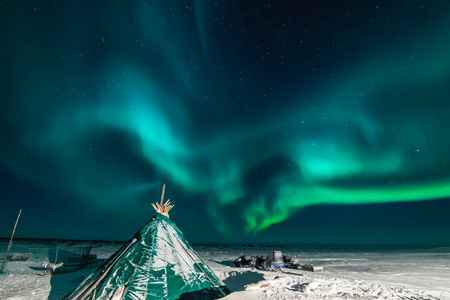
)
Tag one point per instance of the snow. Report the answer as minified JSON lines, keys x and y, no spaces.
{"x":346,"y":275}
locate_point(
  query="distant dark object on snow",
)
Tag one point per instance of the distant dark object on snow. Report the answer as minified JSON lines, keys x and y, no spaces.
{"x":312,"y":268}
{"x":273,"y":261}
{"x":19,"y":256}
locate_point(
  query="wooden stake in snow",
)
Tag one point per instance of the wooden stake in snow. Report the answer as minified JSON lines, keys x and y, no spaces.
{"x":10,"y":242}
{"x":56,"y":256}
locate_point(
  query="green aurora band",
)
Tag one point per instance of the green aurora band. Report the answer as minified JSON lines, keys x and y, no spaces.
{"x":371,"y":128}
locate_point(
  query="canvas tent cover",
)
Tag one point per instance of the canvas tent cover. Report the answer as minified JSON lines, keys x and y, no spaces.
{"x":158,"y":263}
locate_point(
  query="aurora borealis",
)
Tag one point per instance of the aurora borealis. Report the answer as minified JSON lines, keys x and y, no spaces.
{"x":262,"y":117}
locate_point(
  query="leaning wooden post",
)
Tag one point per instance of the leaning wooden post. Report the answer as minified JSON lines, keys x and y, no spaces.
{"x":56,"y":256}
{"x":10,"y":241}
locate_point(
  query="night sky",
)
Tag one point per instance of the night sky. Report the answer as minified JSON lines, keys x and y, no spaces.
{"x":269,"y":121}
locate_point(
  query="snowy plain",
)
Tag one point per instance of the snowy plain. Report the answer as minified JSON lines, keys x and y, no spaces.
{"x":349,"y":272}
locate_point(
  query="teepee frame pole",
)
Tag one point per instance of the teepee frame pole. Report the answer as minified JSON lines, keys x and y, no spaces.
{"x":161,"y":207}
{"x":163,"y":189}
{"x":10,"y":241}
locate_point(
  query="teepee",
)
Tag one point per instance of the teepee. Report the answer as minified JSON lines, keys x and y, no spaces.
{"x":157,"y":263}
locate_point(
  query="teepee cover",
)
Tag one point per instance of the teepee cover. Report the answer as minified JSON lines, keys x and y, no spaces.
{"x":158,"y":263}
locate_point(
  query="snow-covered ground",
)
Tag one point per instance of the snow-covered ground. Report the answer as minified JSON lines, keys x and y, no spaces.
{"x":355,"y":273}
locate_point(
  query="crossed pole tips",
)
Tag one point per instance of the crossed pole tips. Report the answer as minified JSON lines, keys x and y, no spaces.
{"x":161,"y":207}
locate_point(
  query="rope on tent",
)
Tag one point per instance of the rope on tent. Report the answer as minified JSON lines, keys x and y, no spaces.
{"x":163,"y":208}
{"x":93,"y":285}
{"x":198,"y":265}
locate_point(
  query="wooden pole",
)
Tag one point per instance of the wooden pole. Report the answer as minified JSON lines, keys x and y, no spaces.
{"x":163,"y":189}
{"x":56,"y":256}
{"x":10,"y":241}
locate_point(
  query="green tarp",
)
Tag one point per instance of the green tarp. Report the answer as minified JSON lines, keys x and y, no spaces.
{"x":158,"y":263}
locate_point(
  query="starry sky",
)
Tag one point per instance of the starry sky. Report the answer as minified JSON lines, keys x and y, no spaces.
{"x":269,"y":121}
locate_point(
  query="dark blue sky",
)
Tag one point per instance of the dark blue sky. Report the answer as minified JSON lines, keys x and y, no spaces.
{"x":270,"y":121}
